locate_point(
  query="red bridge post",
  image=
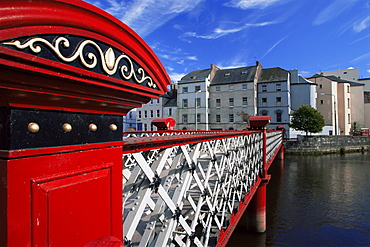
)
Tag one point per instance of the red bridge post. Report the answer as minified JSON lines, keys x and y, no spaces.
{"x":256,"y":210}
{"x":68,"y":72}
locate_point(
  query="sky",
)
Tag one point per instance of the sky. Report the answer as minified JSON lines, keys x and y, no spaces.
{"x":308,"y":35}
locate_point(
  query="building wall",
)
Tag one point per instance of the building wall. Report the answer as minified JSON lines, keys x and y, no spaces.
{"x":190,"y":111}
{"x":358,"y":107}
{"x":344,"y":111}
{"x":152,"y":110}
{"x":234,"y":93}
{"x":350,"y":74}
{"x":326,"y":102}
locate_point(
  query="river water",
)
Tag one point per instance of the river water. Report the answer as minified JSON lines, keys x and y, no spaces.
{"x":315,"y":201}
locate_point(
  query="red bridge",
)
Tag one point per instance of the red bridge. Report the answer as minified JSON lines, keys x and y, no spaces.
{"x":68,"y":72}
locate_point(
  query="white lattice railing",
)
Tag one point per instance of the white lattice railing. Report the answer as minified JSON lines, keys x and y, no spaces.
{"x":186,"y":194}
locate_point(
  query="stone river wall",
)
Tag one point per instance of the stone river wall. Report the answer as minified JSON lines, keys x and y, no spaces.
{"x":305,"y":145}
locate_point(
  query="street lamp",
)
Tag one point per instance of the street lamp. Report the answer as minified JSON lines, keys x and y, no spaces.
{"x":335,"y":112}
{"x":196,"y":109}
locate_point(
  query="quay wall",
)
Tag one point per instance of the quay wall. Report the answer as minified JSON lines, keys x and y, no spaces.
{"x":314,"y":145}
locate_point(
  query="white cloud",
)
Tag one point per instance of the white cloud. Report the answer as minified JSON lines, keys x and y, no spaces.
{"x":175,"y":77}
{"x":220,"y":32}
{"x":145,"y":16}
{"x":332,"y":11}
{"x":272,"y":47}
{"x":251,"y":4}
{"x":358,"y":27}
{"x":362,"y":57}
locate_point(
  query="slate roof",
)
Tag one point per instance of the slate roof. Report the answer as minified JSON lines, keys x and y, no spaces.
{"x":273,"y":75}
{"x":195,"y":76}
{"x":226,"y":76}
{"x":337,"y":79}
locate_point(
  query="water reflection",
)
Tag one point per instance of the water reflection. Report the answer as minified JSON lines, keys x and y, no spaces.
{"x":315,"y":201}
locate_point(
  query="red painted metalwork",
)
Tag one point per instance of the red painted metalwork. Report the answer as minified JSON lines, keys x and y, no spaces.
{"x":67,"y":195}
{"x":73,"y":89}
{"x":164,"y":123}
{"x":257,"y":122}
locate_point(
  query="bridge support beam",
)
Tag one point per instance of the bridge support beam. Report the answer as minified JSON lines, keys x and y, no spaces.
{"x":256,"y":210}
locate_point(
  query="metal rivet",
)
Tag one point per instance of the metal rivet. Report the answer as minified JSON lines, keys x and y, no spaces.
{"x":93,"y":127}
{"x":33,"y":127}
{"x":67,"y":127}
{"x":113,"y":127}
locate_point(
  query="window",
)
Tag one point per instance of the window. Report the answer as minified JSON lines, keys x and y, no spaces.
{"x":321,"y":102}
{"x":151,"y":101}
{"x":218,"y":118}
{"x":185,"y":103}
{"x":348,"y":102}
{"x":151,"y":113}
{"x":218,"y":103}
{"x":197,"y":88}
{"x":197,"y":102}
{"x":185,"y":118}
{"x":157,"y":101}
{"x":231,"y":102}
{"x":158,"y":113}
{"x":151,"y":127}
{"x":278,"y":101}
{"x":169,"y":111}
{"x":145,"y":127}
{"x":145,"y":114}
{"x":184,"y":89}
{"x":264,"y":88}
{"x":264,"y":101}
{"x":227,"y":74}
{"x":231,"y":118}
{"x":245,"y":86}
{"x":349,"y":118}
{"x":130,"y":115}
{"x":278,"y":87}
{"x":245,"y":100}
{"x":264,"y":113}
{"x":139,"y":114}
{"x":348,"y":89}
{"x":198,"y":118}
{"x":320,"y":86}
{"x":231,"y":88}
{"x":278,"y":116}
{"x":218,"y":89}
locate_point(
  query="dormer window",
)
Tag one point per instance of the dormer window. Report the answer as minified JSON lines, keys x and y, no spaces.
{"x":227,"y":74}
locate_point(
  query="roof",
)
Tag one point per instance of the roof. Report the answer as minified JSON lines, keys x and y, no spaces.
{"x":273,"y":75}
{"x":195,"y":76}
{"x":337,"y":79}
{"x":243,"y":74}
{"x":303,"y":81}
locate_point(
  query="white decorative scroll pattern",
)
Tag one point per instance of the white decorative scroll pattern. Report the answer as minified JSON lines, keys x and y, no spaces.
{"x":109,"y":60}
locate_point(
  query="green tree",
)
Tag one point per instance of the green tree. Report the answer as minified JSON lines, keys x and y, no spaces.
{"x":307,"y":119}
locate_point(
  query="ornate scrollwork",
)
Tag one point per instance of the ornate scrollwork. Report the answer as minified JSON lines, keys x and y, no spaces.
{"x":110,"y":63}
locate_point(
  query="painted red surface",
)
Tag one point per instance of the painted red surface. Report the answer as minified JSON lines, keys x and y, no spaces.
{"x":67,"y":195}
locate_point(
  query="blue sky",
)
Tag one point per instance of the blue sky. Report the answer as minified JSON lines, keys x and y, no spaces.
{"x":308,"y":35}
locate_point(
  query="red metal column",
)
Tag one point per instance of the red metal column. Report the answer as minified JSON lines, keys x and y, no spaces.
{"x":256,"y":210}
{"x":68,"y":72}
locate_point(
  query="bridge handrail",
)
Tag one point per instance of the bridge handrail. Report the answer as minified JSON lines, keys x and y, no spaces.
{"x":135,"y":140}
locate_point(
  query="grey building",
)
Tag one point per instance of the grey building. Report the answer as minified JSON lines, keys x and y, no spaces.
{"x":274,"y":98}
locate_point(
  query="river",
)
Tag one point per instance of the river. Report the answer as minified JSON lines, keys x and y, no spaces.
{"x":315,"y":201}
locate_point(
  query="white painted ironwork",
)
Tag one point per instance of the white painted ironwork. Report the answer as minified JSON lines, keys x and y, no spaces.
{"x":185,"y":195}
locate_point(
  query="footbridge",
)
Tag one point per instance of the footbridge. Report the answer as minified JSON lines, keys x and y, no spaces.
{"x":190,"y":188}
{"x":70,"y":176}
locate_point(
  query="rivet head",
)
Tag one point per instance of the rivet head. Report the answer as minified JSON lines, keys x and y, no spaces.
{"x":67,"y":127}
{"x":33,"y":127}
{"x":93,"y":127}
{"x":113,"y":127}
